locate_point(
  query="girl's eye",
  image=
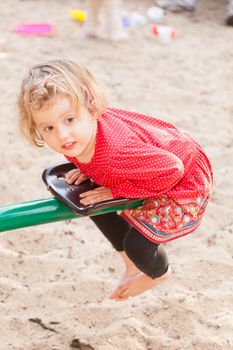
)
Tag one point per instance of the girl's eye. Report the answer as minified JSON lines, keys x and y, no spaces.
{"x":70,"y":120}
{"x":48,"y":129}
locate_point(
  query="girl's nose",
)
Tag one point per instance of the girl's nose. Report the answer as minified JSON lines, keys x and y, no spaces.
{"x":62,"y":133}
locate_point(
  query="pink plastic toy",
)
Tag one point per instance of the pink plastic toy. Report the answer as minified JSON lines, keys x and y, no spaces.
{"x":35,"y":28}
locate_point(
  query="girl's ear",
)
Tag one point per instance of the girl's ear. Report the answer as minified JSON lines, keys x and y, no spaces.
{"x":93,"y":109}
{"x":86,"y":94}
{"x":89,"y":101}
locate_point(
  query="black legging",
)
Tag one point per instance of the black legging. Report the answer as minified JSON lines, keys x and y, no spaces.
{"x":147,"y":256}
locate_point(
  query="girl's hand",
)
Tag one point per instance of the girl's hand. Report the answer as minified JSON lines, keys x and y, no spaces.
{"x":75,"y":177}
{"x":99,"y":194}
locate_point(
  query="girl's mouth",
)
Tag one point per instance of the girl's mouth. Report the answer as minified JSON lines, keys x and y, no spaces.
{"x":68,"y":146}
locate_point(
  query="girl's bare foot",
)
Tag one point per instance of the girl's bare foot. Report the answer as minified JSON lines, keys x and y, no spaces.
{"x":135,"y":284}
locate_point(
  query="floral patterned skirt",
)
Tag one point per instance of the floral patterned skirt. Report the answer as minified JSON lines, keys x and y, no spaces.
{"x":164,"y":219}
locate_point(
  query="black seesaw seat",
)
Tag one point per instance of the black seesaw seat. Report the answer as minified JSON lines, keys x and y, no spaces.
{"x":54,"y":178}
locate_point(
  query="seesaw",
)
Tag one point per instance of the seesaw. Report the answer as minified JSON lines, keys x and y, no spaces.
{"x":64,"y":204}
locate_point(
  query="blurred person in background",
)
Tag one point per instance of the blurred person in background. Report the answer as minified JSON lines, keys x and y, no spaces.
{"x":190,"y":5}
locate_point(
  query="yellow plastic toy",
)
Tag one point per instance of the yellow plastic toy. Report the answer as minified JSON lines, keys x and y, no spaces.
{"x":79,"y":15}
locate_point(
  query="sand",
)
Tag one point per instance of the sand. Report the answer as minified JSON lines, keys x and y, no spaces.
{"x":60,"y":275}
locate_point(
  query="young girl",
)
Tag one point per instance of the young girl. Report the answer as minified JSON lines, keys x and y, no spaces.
{"x":129,"y":155}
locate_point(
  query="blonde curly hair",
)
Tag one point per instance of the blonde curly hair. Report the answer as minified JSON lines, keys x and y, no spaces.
{"x":44,"y":82}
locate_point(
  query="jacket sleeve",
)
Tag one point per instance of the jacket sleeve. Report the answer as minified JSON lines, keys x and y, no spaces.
{"x":144,"y":171}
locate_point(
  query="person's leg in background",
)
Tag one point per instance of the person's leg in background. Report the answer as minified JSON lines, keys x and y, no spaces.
{"x":104,"y":20}
{"x":91,"y":26}
{"x":114,"y":26}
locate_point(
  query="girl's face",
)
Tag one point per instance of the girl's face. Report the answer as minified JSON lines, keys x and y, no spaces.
{"x":66,"y":131}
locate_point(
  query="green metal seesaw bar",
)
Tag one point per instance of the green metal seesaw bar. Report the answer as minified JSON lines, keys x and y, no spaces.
{"x":43,"y":211}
